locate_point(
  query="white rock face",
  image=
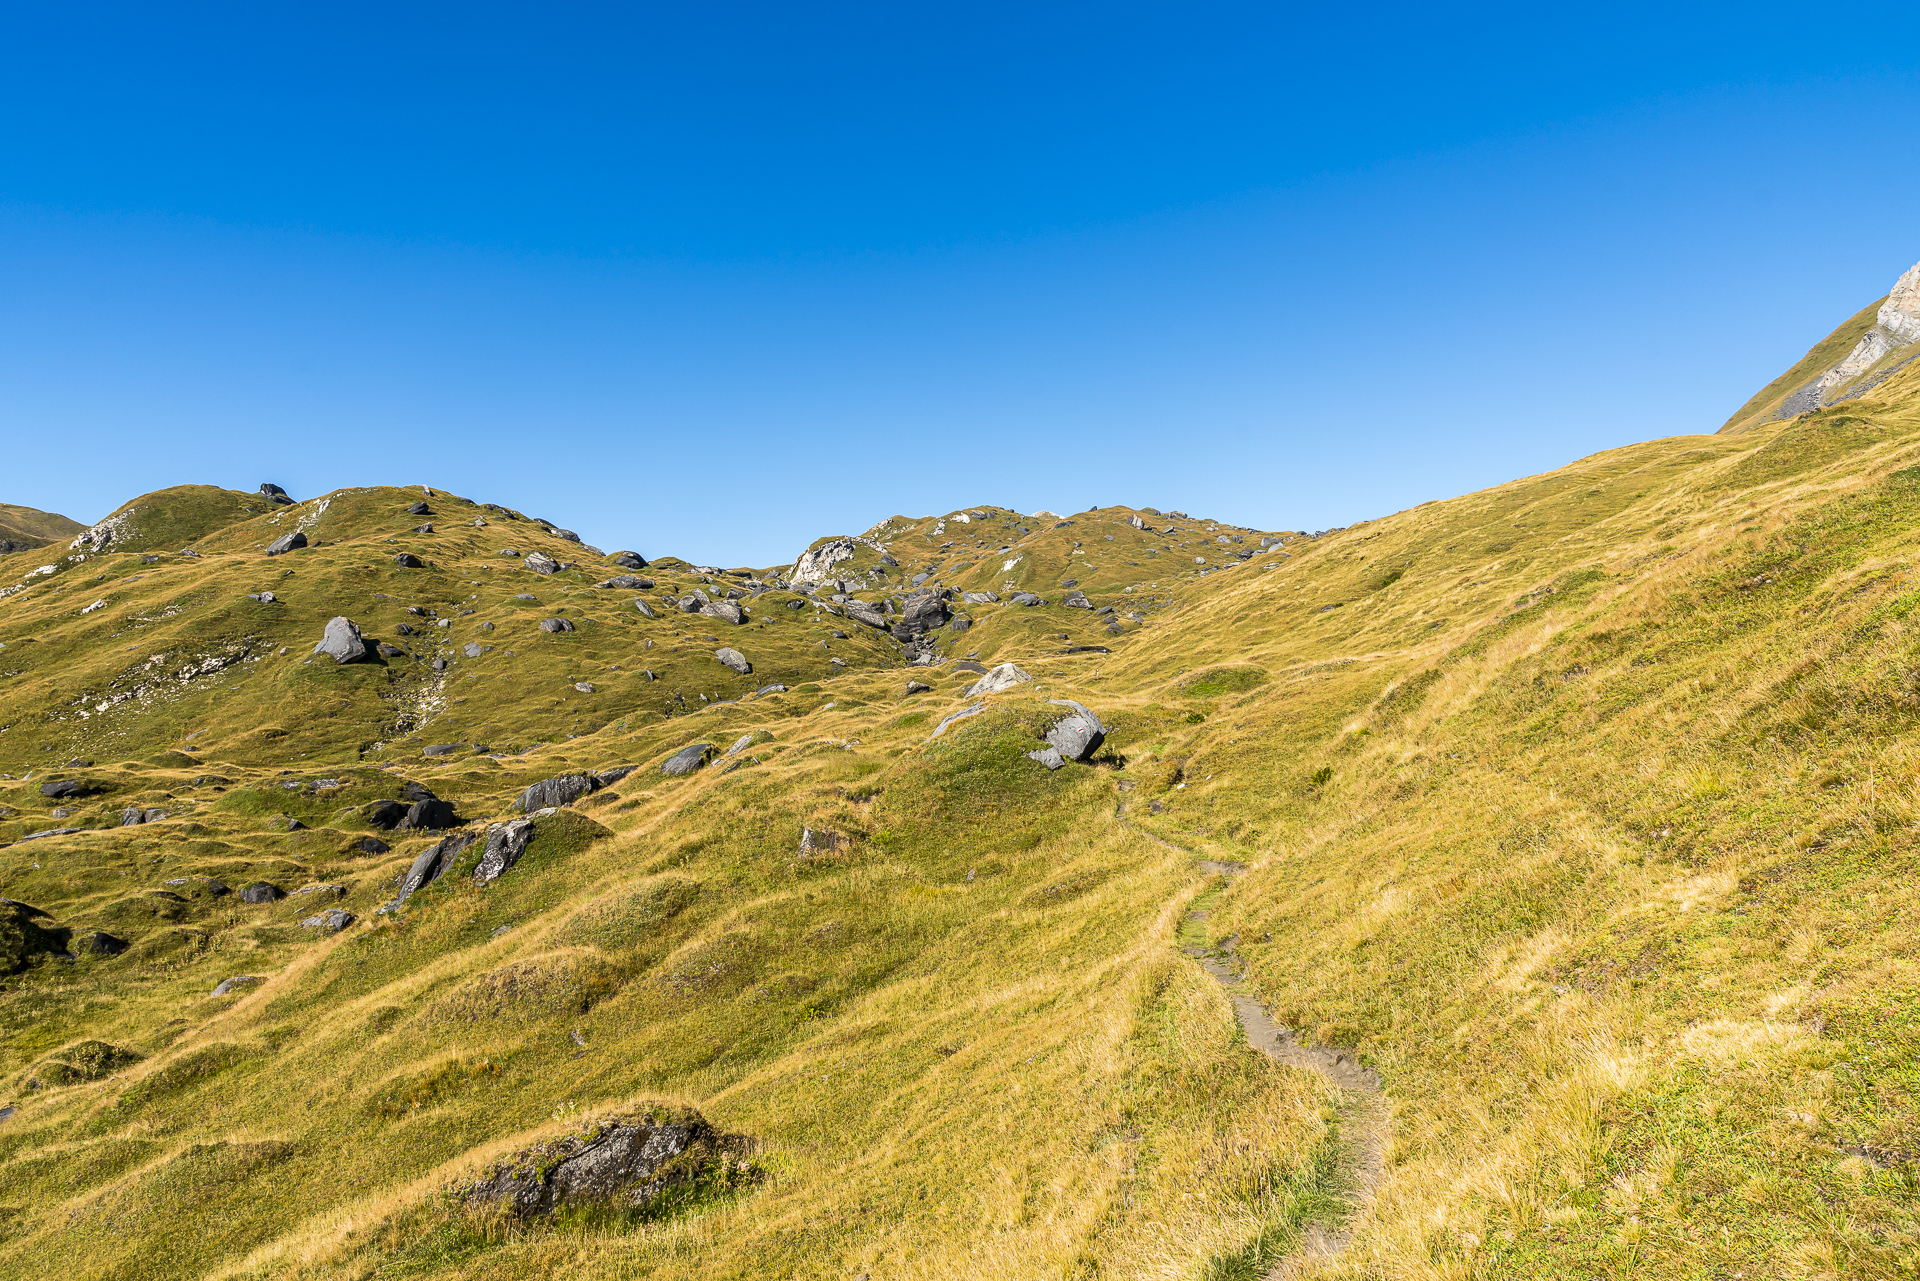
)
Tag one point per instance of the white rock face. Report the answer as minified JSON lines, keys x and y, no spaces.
{"x":1900,"y":313}
{"x":816,"y":566}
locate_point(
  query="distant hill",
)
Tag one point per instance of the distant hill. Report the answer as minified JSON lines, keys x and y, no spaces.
{"x":23,"y":528}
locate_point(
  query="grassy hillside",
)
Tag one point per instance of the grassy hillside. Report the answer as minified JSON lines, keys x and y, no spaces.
{"x":1580,"y":809}
{"x":22,"y":528}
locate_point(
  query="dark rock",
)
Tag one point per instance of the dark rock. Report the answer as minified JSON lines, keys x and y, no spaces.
{"x":556,"y":625}
{"x":275,"y":495}
{"x":629,"y":560}
{"x":389,"y":651}
{"x":608,"y":777}
{"x":923,"y":614}
{"x":227,"y":986}
{"x":1076,"y":600}
{"x":341,"y":641}
{"x":427,"y":816}
{"x":403,"y":629}
{"x":99,"y":943}
{"x":627,"y":583}
{"x":294,"y":824}
{"x":411,"y":791}
{"x":331,"y":921}
{"x":419,"y":509}
{"x":1104,"y":609}
{"x":1025,"y":598}
{"x":687,"y":759}
{"x":506,"y":842}
{"x":261,"y":892}
{"x":372,"y":845}
{"x":624,"y":1162}
{"x":52,"y":831}
{"x":735,"y":659}
{"x":567,"y":534}
{"x":134,"y":816}
{"x":384,"y":814}
{"x":960,"y":623}
{"x":917,"y":687}
{"x":1071,"y":582}
{"x":541,"y":563}
{"x":407,"y":560}
{"x":431,"y":865}
{"x":286,"y":543}
{"x":1086,"y":649}
{"x":554,"y":792}
{"x":67,"y":787}
{"x":967,"y":665}
{"x":796,"y":604}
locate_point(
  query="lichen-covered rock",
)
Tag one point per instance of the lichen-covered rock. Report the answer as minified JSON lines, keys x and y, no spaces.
{"x":556,"y":625}
{"x":687,"y":759}
{"x":724,"y":610}
{"x":331,"y":921}
{"x":548,"y":793}
{"x":622,"y":1161}
{"x":861,"y":612}
{"x":431,"y":865}
{"x":541,"y":563}
{"x":734,"y":659}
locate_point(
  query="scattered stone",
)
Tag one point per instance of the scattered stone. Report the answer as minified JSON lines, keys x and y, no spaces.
{"x":980,"y":598}
{"x":265,"y":598}
{"x":821,"y":842}
{"x":960,"y":623}
{"x":427,"y":816}
{"x":567,"y":534}
{"x":1137,"y":523}
{"x":134,"y":816}
{"x":627,"y":583}
{"x":1076,"y":600}
{"x":430,"y":866}
{"x":100,"y":943}
{"x":724,"y":610}
{"x":584,"y":687}
{"x":341,"y":642}
{"x":622,"y":1161}
{"x":262,"y":892}
{"x":419,"y":509}
{"x":687,"y":759}
{"x":321,"y":887}
{"x":293,"y":824}
{"x":735,"y":659}
{"x":1026,"y":598}
{"x":331,"y":921}
{"x":968,"y":665}
{"x":424,"y":529}
{"x":52,"y":831}
{"x":473,"y":649}
{"x":1086,"y":649}
{"x":1003,"y":677}
{"x":407,"y":560}
{"x":506,"y":842}
{"x":646,"y":610}
{"x":66,"y":787}
{"x":608,"y":777}
{"x":960,"y":715}
{"x":922,"y":615}
{"x":226,"y":986}
{"x":552,"y":793}
{"x":286,"y":543}
{"x":276,"y":495}
{"x":384,"y":814}
{"x":373,"y":845}
{"x":1047,"y":756}
{"x":629,"y":560}
{"x":440,"y":749}
{"x":742,"y":744}
{"x":775,"y":688}
{"x":861,"y":612}
{"x":917,"y":687}
{"x":541,"y":563}
{"x":556,"y":625}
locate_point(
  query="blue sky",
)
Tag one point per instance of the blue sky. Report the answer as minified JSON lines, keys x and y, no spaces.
{"x":715,"y":280}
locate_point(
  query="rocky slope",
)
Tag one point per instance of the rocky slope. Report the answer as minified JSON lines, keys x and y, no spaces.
{"x":1573,"y":822}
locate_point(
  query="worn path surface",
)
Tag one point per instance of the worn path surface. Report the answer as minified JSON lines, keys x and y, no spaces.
{"x":1364,"y":1114}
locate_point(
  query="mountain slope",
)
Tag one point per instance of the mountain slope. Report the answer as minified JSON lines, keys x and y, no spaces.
{"x":1581,"y":809}
{"x":23,"y":528}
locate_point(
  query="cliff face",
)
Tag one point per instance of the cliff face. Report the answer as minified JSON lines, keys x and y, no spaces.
{"x":1858,"y":356}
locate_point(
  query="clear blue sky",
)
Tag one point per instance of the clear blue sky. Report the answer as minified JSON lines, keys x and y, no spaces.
{"x":712,"y":280}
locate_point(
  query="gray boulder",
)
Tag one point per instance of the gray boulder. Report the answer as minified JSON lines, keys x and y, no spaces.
{"x":923,"y":614}
{"x":627,"y":583}
{"x":687,"y":759}
{"x":646,"y":610}
{"x":861,"y":612}
{"x":1136,"y":522}
{"x":427,"y":816}
{"x":629,"y":560}
{"x":331,"y":921}
{"x":276,"y":495}
{"x":1026,"y":598}
{"x":1047,"y":756}
{"x":541,"y":563}
{"x":917,"y":687}
{"x":473,"y":649}
{"x":567,"y":534}
{"x":1076,"y":736}
{"x":341,"y":642}
{"x":226,"y":986}
{"x":261,"y":892}
{"x":740,"y":745}
{"x":735,"y":659}
{"x":960,"y":715}
{"x":419,"y":509}
{"x":608,"y":777}
{"x":286,"y":543}
{"x":564,"y":789}
{"x":99,"y":943}
{"x":625,"y":1162}
{"x":1076,"y":600}
{"x":440,"y":749}
{"x":133,"y":816}
{"x":556,"y":625}
{"x":506,"y":842}
{"x":725,"y":610}
{"x":66,"y":787}
{"x":1003,"y":677}
{"x":980,"y":598}
{"x":407,"y":560}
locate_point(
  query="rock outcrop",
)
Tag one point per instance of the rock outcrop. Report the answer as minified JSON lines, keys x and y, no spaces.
{"x":341,"y":642}
{"x":622,"y":1161}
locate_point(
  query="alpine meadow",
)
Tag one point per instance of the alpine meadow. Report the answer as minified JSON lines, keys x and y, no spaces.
{"x":1521,"y":885}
